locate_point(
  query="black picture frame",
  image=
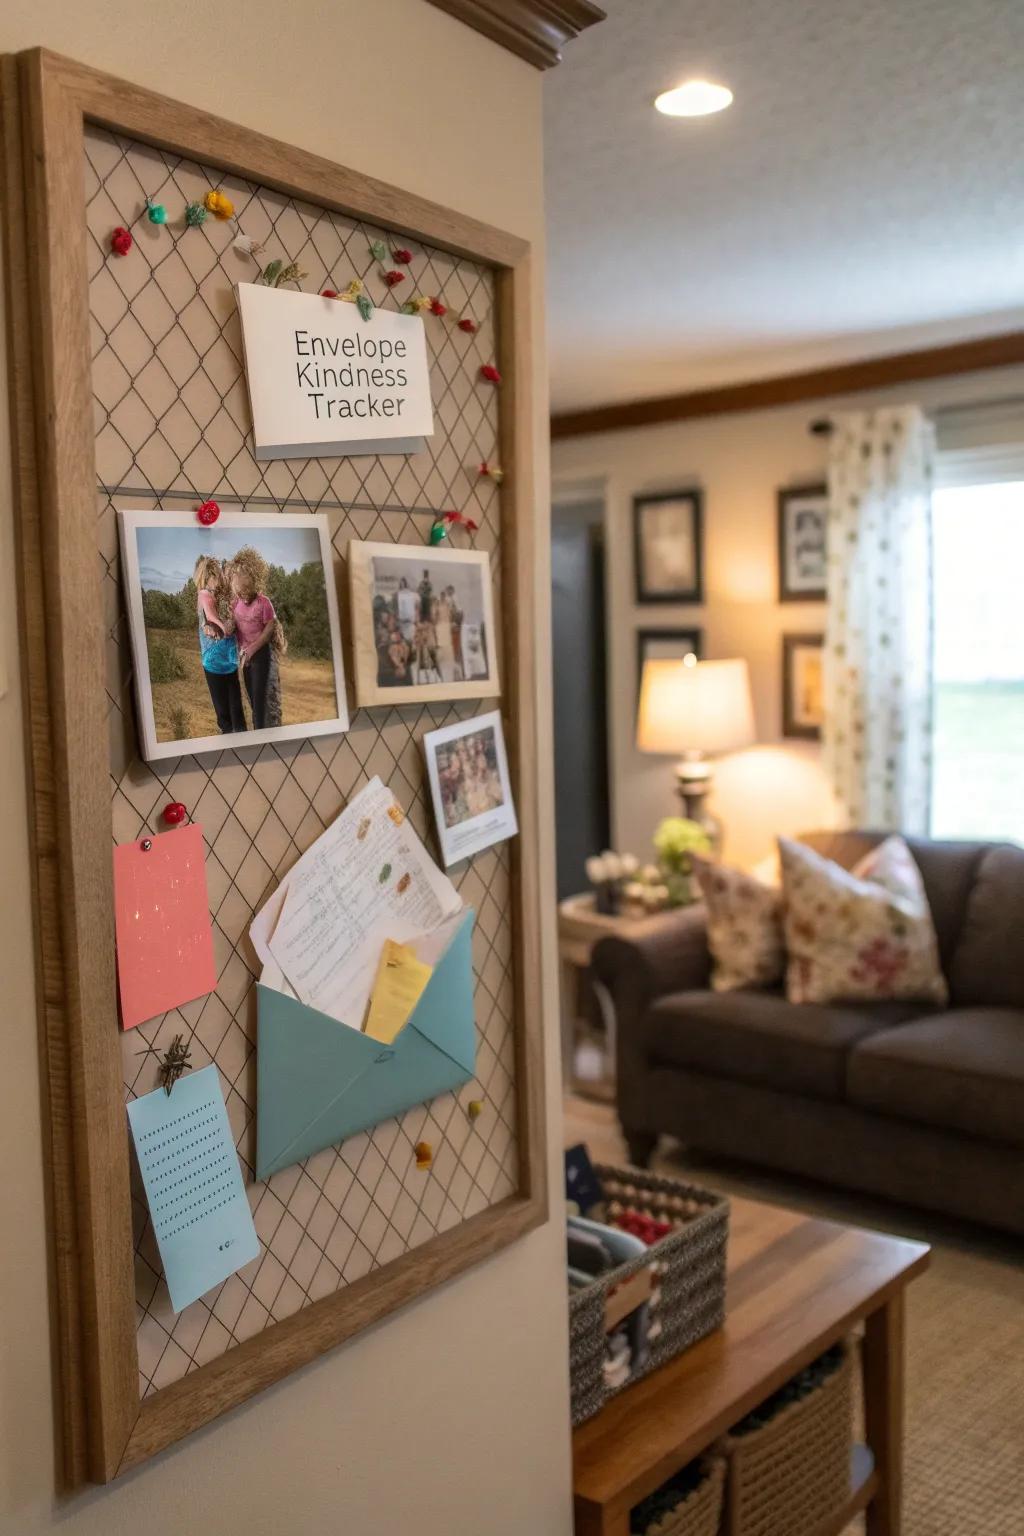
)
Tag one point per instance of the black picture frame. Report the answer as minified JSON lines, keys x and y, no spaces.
{"x":693,"y":500}
{"x":794,"y":726}
{"x":787,"y":497}
{"x":690,"y":639}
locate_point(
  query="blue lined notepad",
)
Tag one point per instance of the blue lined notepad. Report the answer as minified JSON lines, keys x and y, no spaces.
{"x":197,"y":1204}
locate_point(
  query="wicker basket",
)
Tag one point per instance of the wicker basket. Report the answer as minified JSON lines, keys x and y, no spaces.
{"x":786,"y":1478}
{"x":700,"y":1512}
{"x":689,"y":1265}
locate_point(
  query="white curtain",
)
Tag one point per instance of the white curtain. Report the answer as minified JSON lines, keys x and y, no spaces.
{"x":877,"y":733}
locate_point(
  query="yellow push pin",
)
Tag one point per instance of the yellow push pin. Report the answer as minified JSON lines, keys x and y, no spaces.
{"x":474,"y":1109}
{"x":424,"y":1154}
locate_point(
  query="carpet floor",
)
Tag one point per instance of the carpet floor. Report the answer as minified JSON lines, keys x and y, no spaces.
{"x":964,"y":1466}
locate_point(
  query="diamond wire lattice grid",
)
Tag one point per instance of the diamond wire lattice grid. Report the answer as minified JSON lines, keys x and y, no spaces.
{"x":172,"y":415}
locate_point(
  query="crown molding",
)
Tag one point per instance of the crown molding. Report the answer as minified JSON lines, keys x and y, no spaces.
{"x":793,"y":388}
{"x":536,"y":30}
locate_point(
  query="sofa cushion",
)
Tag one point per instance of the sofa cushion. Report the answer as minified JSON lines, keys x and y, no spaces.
{"x":959,"y":1071}
{"x":759,"y":1037}
{"x":865,"y":933}
{"x":948,"y":870}
{"x":744,"y":927}
{"x":987,"y":965}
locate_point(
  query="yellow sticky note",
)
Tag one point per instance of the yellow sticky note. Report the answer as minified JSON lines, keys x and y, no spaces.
{"x":401,"y":978}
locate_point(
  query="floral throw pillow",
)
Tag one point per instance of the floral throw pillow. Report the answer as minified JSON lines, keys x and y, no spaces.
{"x":744,"y":918}
{"x":860,"y":933}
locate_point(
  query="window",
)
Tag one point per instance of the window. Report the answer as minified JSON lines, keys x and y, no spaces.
{"x":978,"y":787}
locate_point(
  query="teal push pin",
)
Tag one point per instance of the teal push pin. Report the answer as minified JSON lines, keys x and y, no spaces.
{"x":156,"y":213}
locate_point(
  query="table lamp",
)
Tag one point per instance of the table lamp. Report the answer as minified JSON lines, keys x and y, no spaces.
{"x":695,"y":708}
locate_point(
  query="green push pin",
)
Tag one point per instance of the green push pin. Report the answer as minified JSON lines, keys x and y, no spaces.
{"x":438,"y":532}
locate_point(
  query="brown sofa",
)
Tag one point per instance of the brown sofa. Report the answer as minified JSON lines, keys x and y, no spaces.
{"x":916,"y":1103}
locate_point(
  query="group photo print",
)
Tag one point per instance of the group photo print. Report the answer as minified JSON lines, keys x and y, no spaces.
{"x":234,"y":629}
{"x":469,"y":782}
{"x":422,"y":623}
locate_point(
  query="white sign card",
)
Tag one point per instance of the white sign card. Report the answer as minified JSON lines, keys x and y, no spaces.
{"x":324,"y":382}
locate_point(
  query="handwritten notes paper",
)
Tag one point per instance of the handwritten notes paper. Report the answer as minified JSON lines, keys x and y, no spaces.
{"x":366,"y":880}
{"x":162,"y":920}
{"x":197,"y":1204}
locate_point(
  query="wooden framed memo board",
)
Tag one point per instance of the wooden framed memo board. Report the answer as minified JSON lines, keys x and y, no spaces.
{"x":128,"y":392}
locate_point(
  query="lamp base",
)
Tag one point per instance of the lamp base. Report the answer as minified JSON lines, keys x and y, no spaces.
{"x":693,"y":785}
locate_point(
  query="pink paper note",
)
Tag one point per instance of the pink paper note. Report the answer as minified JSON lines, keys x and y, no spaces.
{"x":162,"y":916}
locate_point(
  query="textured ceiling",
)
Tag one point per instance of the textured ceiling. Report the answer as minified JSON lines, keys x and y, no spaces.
{"x":864,"y":194}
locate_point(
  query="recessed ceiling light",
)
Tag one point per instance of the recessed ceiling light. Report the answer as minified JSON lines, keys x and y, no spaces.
{"x":694,"y":98}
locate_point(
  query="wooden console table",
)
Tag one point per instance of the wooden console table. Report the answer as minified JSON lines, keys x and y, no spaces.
{"x":796,"y":1286}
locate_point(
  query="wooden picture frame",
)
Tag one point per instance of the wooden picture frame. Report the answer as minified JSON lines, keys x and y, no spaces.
{"x":796,"y":502}
{"x":801,"y":717}
{"x":375,"y":683}
{"x":48,"y":102}
{"x":687,"y":509}
{"x":690,"y":639}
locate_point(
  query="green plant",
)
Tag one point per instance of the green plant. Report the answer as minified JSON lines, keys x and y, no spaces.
{"x":165,"y":664}
{"x":676,"y":840}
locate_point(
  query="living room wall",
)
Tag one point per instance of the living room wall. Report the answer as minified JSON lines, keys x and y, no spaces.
{"x":455,"y":1411}
{"x":740,"y":462}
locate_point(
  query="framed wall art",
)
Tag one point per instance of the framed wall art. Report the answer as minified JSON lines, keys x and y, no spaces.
{"x":115,"y":416}
{"x":802,"y":693}
{"x":668,"y":547}
{"x":803,"y":543}
{"x":667,"y":645}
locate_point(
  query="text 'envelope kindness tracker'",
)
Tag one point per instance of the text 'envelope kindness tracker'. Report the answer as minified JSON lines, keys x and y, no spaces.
{"x":365,"y":886}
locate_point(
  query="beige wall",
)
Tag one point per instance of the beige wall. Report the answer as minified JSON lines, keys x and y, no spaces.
{"x":740,"y":461}
{"x":454,"y":1414}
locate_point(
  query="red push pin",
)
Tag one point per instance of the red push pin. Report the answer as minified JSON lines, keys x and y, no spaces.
{"x":174,"y":813}
{"x":207,"y":513}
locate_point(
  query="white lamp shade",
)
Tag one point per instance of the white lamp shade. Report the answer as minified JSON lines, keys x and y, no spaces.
{"x":695,"y":706}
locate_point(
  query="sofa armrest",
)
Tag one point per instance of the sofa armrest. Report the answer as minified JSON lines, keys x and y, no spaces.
{"x":668,"y":953}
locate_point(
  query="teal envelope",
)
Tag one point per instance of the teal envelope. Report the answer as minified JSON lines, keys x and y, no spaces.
{"x":319,"y":1081}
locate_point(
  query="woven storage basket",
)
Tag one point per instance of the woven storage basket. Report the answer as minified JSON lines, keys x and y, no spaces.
{"x":691,"y":1268}
{"x":700,"y":1512}
{"x":788,"y":1477}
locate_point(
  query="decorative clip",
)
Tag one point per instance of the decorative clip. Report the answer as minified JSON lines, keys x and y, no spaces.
{"x":174,"y":813}
{"x":175,"y":1063}
{"x":444,"y":522}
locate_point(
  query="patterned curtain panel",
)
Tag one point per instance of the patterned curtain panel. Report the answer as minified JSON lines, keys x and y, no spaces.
{"x":878,"y":642}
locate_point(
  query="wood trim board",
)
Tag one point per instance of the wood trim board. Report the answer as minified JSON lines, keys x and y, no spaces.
{"x":48,"y":102}
{"x":535,"y":30}
{"x":793,"y":388}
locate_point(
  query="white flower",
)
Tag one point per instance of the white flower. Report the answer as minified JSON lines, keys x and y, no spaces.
{"x":633,"y":891}
{"x":595,"y":869}
{"x":612,"y":865}
{"x":630,"y":863}
{"x":247,"y":245}
{"x":650,"y":874}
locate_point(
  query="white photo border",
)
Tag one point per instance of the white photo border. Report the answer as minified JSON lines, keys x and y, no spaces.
{"x":490,"y":827}
{"x":129,"y":522}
